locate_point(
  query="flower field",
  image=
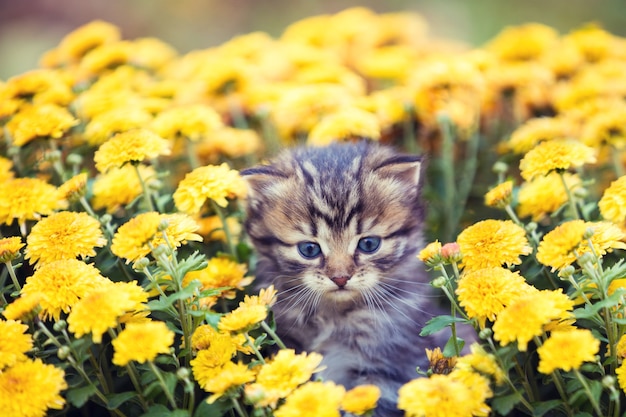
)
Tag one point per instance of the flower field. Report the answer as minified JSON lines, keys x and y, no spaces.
{"x":126,"y":277}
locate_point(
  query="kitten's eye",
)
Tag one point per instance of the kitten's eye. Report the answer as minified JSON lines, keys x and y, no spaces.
{"x":309,"y":250}
{"x":369,"y":244}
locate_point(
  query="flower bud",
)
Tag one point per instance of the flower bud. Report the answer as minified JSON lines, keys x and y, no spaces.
{"x":438,"y":282}
{"x":500,"y":167}
{"x":183,"y":373}
{"x":63,"y":352}
{"x":451,"y":252}
{"x":60,"y":326}
{"x":485,"y":333}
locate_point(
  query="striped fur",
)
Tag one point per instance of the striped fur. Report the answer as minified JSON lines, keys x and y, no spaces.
{"x":334,"y":196}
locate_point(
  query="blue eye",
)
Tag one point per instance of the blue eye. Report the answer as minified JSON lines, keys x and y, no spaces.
{"x":309,"y":250}
{"x":369,"y":244}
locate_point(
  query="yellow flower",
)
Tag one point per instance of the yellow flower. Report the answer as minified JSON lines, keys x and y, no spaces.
{"x":361,"y":399}
{"x":137,"y":237}
{"x":439,"y":395}
{"x":151,"y":53}
{"x":484,"y":293}
{"x":544,"y":195}
{"x":481,"y":362}
{"x":130,"y":147}
{"x":119,"y":187}
{"x":526,"y":316}
{"x":74,"y":188}
{"x":40,"y":121}
{"x":350,"y":123}
{"x":23,"y":308}
{"x":10,"y":248}
{"x":40,"y":86}
{"x":620,"y":372}
{"x":212,"y":228}
{"x":537,"y":130}
{"x":14,"y":343}
{"x":210,"y":360}
{"x":64,"y":235}
{"x":606,"y":128}
{"x":104,"y":58}
{"x":243,"y":318}
{"x":492,"y":243}
{"x":221,"y":272}
{"x":206,"y":337}
{"x":193,"y":122}
{"x":6,"y":173}
{"x":229,"y":376}
{"x":30,"y":388}
{"x":438,"y":363}
{"x":555,"y":155}
{"x":230,"y":142}
{"x":27,"y":199}
{"x":209,"y":182}
{"x":283,"y":374}
{"x":61,"y":284}
{"x":431,"y":254}
{"x":313,"y":399}
{"x":141,"y":342}
{"x":620,"y":348}
{"x":563,"y":245}
{"x":500,"y":196}
{"x":85,"y":38}
{"x":117,"y":120}
{"x":594,"y":42}
{"x":524,"y":42}
{"x":567,"y":350}
{"x":613,"y":202}
{"x":100,"y":310}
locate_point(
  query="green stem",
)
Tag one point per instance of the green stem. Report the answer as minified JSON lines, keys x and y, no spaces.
{"x":558,"y":382}
{"x":592,"y":399}
{"x":273,"y":335}
{"x":159,"y":376}
{"x":570,"y":197}
{"x":238,"y":408}
{"x":11,"y":270}
{"x":192,"y":156}
{"x":146,"y":191}
{"x":254,"y":348}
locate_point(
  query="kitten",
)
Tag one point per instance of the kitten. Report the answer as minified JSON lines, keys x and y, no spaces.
{"x":337,"y":231}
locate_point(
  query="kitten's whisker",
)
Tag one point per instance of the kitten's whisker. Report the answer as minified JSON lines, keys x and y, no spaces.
{"x":408,"y":281}
{"x":376,"y":307}
{"x":418,"y":295}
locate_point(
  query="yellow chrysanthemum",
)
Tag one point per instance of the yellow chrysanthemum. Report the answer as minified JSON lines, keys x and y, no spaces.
{"x":613,"y":202}
{"x":606,"y":128}
{"x":14,"y":343}
{"x":130,"y":147}
{"x":41,"y":121}
{"x":431,"y":254}
{"x":229,"y":376}
{"x":230,"y":142}
{"x":500,"y":196}
{"x":100,"y":310}
{"x":524,"y":42}
{"x":594,"y":42}
{"x":206,"y":336}
{"x":284,"y":373}
{"x":526,"y":316}
{"x":243,"y":318}
{"x":40,"y":86}
{"x":151,"y":53}
{"x":543,"y":196}
{"x":561,"y":246}
{"x":538,"y":130}
{"x":210,"y":360}
{"x":567,"y":350}
{"x":212,"y":228}
{"x":141,"y":342}
{"x":209,"y":182}
{"x":117,"y":120}
{"x":481,"y":362}
{"x":104,"y":58}
{"x":221,"y":272}
{"x":620,"y":348}
{"x":137,"y":237}
{"x":61,"y":284}
{"x":30,"y":388}
{"x":555,"y":155}
{"x":360,"y":399}
{"x":6,"y":169}
{"x":492,"y":243}
{"x":438,"y":363}
{"x":620,"y":372}
{"x":10,"y":248}
{"x":23,"y":308}
{"x":64,"y":235}
{"x":313,"y":399}
{"x":28,"y":199}
{"x":87,"y":37}
{"x":119,"y":187}
{"x":484,"y":293}
{"x":439,"y":395}
{"x":74,"y":188}
{"x":192,"y":122}
{"x":350,"y":123}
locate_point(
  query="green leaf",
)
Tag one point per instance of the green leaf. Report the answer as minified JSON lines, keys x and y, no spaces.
{"x":115,"y":400}
{"x":450,"y":349}
{"x":217,"y":409}
{"x":79,"y":396}
{"x":436,"y":324}
{"x":504,"y":404}
{"x":542,"y":408}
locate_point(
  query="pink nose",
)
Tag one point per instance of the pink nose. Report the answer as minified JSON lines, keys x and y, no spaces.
{"x":340,"y":281}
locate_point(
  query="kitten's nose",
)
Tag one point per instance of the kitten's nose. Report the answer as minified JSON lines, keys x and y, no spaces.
{"x":340,"y":281}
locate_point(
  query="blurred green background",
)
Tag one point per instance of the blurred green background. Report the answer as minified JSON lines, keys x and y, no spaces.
{"x":30,"y":27}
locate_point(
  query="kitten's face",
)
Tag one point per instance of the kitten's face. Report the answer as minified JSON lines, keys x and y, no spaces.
{"x":337,"y":221}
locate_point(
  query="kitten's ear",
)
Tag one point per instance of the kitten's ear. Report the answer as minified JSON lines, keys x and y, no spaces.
{"x":260,"y":178}
{"x":406,"y":168}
